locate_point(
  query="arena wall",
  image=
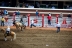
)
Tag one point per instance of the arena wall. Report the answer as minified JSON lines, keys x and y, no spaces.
{"x":31,"y":11}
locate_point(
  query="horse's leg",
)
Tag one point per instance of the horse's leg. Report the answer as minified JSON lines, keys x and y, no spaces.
{"x":24,"y":26}
{"x":21,"y":28}
{"x":13,"y":37}
{"x":5,"y":37}
{"x":17,"y":28}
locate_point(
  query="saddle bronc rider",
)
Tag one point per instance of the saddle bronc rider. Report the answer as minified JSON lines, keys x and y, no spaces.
{"x":14,"y":22}
{"x":21,"y":20}
{"x":8,"y":30}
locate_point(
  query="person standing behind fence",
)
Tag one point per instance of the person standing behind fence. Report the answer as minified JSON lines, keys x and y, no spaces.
{"x":2,"y":21}
{"x":69,"y":15}
{"x":49,"y":19}
{"x":58,"y":25}
{"x":6,"y":20}
{"x":37,"y":13}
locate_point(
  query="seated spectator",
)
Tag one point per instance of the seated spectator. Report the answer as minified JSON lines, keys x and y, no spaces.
{"x":61,"y":15}
{"x":26,"y":5}
{"x":67,"y":7}
{"x":18,"y":13}
{"x":70,"y":7}
{"x":53,"y":7}
{"x":2,"y":3}
{"x":46,"y":6}
{"x":69,"y":15}
{"x":30,"y":6}
{"x":38,"y":4}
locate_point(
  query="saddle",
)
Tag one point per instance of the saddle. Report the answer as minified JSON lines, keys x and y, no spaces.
{"x":8,"y":33}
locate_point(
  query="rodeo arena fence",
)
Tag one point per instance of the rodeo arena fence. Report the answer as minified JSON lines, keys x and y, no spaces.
{"x":41,"y":21}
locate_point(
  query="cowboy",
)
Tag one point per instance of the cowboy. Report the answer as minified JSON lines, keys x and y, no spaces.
{"x":58,"y":25}
{"x":14,"y":22}
{"x":8,"y":30}
{"x":21,"y":20}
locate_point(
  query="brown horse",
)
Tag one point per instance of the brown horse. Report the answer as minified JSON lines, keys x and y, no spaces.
{"x":12,"y":34}
{"x":19,"y":25}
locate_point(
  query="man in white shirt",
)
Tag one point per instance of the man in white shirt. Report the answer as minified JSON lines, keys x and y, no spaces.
{"x":32,"y":24}
{"x":8,"y":30}
{"x":58,"y":25}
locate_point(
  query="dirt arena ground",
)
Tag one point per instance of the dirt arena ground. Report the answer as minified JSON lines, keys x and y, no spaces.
{"x":38,"y":38}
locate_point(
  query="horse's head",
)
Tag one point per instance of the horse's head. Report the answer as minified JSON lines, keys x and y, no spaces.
{"x":2,"y":30}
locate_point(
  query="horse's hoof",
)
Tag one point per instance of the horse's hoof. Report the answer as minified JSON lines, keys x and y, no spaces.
{"x":11,"y":39}
{"x":5,"y":39}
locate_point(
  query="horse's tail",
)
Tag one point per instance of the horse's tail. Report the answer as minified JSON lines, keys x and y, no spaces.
{"x":14,"y":36}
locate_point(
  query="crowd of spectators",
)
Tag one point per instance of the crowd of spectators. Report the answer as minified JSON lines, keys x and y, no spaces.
{"x":32,"y":5}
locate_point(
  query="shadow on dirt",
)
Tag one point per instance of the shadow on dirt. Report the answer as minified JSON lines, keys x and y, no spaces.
{"x":9,"y":44}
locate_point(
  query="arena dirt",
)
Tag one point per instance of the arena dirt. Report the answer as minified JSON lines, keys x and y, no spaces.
{"x":38,"y":38}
